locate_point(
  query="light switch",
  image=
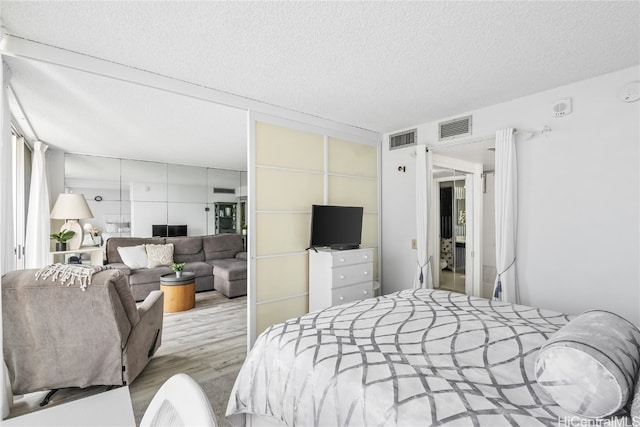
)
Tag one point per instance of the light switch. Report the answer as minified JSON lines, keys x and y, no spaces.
{"x":414,"y":244}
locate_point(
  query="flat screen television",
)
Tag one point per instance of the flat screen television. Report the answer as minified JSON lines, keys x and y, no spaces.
{"x":338,"y":227}
{"x":164,"y":230}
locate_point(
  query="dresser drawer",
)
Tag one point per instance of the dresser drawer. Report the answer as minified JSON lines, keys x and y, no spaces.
{"x":351,"y":274}
{"x":352,"y":257}
{"x":352,"y":293}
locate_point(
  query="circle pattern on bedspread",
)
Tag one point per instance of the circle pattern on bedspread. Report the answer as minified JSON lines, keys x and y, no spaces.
{"x":589,"y":365}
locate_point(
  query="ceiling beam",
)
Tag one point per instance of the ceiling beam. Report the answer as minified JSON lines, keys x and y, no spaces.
{"x":19,"y":117}
{"x":21,"y":48}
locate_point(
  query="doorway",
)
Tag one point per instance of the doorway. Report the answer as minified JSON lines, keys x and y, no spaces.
{"x":452,"y":228}
{"x":457,"y":225}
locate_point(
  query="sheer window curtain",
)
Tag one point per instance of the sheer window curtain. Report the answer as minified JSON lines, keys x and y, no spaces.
{"x":424,"y":188}
{"x":6,"y":219}
{"x":506,"y":216}
{"x":6,"y":192}
{"x":37,"y":241}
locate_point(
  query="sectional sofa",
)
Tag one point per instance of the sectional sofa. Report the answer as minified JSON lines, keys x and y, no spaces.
{"x":219,"y":262}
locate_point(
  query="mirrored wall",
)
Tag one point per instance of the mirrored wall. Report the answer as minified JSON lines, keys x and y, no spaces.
{"x":144,"y":199}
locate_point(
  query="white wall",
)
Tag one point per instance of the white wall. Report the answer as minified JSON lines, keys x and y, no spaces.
{"x":578,"y":231}
{"x":55,"y":174}
{"x":488,"y":236}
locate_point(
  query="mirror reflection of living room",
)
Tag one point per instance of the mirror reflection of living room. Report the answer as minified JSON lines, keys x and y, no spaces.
{"x":137,"y":219}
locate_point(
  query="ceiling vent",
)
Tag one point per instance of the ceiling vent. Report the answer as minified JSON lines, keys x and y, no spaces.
{"x":218,"y":190}
{"x":403,"y":139}
{"x":454,"y":128}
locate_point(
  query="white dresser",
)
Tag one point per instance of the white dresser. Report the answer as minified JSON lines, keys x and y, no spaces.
{"x":337,"y":277}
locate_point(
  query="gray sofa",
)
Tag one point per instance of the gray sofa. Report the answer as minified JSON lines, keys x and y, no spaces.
{"x":58,"y":336}
{"x":219,"y":262}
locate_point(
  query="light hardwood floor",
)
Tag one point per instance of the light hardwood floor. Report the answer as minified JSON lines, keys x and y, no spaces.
{"x":450,"y":281}
{"x":208,"y":343}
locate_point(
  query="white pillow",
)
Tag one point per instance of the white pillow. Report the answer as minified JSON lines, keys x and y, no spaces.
{"x":134,"y":257}
{"x":159,"y":255}
{"x":589,"y":365}
{"x":635,"y":403}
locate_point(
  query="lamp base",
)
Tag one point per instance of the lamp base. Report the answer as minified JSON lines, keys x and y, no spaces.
{"x":76,"y":241}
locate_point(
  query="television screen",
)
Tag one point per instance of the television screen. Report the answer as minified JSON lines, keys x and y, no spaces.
{"x":168,"y":230}
{"x":339,"y":227}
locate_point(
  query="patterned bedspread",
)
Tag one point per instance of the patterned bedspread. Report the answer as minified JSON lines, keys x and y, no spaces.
{"x":414,"y":358}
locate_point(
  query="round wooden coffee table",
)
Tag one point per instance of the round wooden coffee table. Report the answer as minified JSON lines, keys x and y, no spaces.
{"x":179,"y":292}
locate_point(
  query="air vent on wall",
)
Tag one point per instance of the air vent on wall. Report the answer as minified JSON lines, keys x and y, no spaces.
{"x":454,"y":128}
{"x":218,"y":190}
{"x":403,"y":139}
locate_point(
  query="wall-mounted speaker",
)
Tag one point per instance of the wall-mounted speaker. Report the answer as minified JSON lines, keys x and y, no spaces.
{"x":562,"y":107}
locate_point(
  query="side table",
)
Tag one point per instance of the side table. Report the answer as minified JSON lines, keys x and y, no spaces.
{"x":179,"y":292}
{"x":94,"y":251}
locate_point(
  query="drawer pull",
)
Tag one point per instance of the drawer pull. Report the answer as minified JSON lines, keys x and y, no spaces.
{"x":366,"y":257}
{"x":365,"y":292}
{"x":341,"y":276}
{"x":341,"y":298}
{"x":366,"y":273}
{"x":341,"y":259}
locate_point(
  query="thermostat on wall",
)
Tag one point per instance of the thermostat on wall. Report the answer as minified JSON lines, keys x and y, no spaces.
{"x":562,"y":107}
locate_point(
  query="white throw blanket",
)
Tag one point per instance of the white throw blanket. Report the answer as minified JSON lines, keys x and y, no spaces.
{"x":69,"y":273}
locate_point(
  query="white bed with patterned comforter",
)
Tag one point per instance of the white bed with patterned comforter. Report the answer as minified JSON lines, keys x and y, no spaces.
{"x":414,"y":358}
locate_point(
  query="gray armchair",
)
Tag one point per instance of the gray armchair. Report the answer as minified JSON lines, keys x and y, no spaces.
{"x":58,"y":336}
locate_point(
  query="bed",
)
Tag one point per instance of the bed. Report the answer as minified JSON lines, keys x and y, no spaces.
{"x":417,"y":357}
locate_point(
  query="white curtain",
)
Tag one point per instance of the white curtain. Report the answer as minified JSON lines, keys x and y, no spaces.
{"x":6,"y":220}
{"x":37,"y":239}
{"x":506,"y":216}
{"x":7,"y":243}
{"x":424,"y":188}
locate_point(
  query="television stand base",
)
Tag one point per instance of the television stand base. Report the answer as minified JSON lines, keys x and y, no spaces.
{"x":344,"y":247}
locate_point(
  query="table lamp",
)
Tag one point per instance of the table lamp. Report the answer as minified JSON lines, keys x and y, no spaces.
{"x":71,"y":207}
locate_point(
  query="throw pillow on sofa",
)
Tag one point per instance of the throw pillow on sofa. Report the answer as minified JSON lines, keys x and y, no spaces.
{"x":159,"y":255}
{"x":134,"y":257}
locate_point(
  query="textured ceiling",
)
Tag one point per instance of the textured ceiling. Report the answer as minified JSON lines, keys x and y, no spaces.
{"x":380,"y":66}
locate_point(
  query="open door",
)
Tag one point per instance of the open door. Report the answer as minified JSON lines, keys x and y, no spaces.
{"x":456,"y":233}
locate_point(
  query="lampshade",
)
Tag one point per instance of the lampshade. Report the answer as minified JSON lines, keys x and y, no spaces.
{"x":71,"y":206}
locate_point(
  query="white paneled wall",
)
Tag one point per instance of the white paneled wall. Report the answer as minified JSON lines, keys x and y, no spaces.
{"x":295,"y":169}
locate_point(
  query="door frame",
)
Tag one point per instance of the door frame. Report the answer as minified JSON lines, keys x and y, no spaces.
{"x":20,"y":187}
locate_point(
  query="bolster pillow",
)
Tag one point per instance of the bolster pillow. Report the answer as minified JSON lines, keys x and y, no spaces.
{"x":589,"y":366}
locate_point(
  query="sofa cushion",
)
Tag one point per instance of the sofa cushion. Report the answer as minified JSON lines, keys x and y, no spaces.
{"x":152,"y":275}
{"x":200,"y":268}
{"x":121,"y":267}
{"x":231,"y":289}
{"x":229,"y":269}
{"x":187,"y":249}
{"x":222,"y":246}
{"x":134,"y":257}
{"x":148,"y":275}
{"x":241,"y":255}
{"x":114,"y":243}
{"x":159,"y":255}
